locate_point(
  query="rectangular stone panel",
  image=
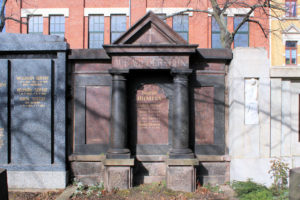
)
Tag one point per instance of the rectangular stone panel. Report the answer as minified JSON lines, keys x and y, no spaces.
{"x":97,"y":114}
{"x":251,"y":101}
{"x":4,"y":111}
{"x":92,"y":67}
{"x":31,"y":111}
{"x":150,"y":62}
{"x":204,"y":115}
{"x":152,"y":115}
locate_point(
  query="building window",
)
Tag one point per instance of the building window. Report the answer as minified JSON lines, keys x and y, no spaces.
{"x":291,"y":52}
{"x":181,"y":26}
{"x":117,"y":26}
{"x":291,"y":8}
{"x":35,"y":24}
{"x":215,"y":33}
{"x":96,"y":31}
{"x":241,"y":38}
{"x":57,"y":25}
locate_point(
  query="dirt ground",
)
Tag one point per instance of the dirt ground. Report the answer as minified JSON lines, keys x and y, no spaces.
{"x":142,"y":192}
{"x":34,"y":195}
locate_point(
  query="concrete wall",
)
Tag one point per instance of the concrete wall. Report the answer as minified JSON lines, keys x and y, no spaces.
{"x":255,"y":137}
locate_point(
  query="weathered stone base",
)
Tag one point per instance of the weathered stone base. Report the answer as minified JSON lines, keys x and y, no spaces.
{"x":181,"y":174}
{"x":37,"y":179}
{"x":89,"y":173}
{"x":181,"y":178}
{"x":213,"y":172}
{"x":118,"y":173}
{"x":149,"y":172}
{"x":3,"y":185}
{"x":152,"y":169}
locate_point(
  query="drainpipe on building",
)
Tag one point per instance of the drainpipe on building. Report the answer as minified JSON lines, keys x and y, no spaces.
{"x":129,"y":13}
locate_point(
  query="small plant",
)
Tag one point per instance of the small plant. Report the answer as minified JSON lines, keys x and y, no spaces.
{"x":213,"y":188}
{"x":264,"y":194}
{"x":279,"y":173}
{"x":245,"y":187}
{"x":88,"y":190}
{"x":80,"y":187}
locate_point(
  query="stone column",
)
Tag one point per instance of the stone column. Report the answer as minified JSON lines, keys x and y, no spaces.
{"x":180,"y":139}
{"x":118,"y":129}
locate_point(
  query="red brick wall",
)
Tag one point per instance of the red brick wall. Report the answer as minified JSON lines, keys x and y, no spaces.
{"x":77,"y":25}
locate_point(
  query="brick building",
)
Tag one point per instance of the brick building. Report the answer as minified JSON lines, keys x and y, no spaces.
{"x":90,"y":23}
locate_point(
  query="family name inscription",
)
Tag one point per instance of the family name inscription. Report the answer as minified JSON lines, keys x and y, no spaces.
{"x":32,"y":90}
{"x":152,"y":115}
{"x":31,"y":113}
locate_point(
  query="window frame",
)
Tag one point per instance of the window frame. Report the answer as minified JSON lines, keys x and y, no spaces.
{"x":187,"y":26}
{"x":120,"y":32}
{"x":42,"y":24}
{"x":57,"y":33}
{"x":215,"y":32}
{"x":239,"y":32}
{"x":289,"y":7}
{"x":89,"y":31}
{"x":290,"y":49}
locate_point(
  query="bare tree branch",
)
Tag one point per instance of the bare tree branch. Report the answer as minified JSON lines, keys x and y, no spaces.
{"x":16,"y":20}
{"x":261,"y":27}
{"x":189,"y":10}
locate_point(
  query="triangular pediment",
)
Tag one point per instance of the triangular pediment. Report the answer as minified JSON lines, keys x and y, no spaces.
{"x":150,"y":30}
{"x":292,"y":29}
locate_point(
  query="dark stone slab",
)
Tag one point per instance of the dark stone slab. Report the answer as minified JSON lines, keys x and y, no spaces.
{"x":88,"y":54}
{"x":162,"y":81}
{"x":3,"y":185}
{"x":204,"y":115}
{"x":31,"y":42}
{"x":218,"y":54}
{"x":4,"y":102}
{"x":97,"y":114}
{"x":59,"y":110}
{"x":92,"y":67}
{"x":31,"y":111}
{"x":152,"y":115}
{"x":218,"y":83}
{"x":294,"y":184}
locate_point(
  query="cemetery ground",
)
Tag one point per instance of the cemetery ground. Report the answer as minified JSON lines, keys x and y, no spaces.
{"x":236,"y":190}
{"x":159,"y":191}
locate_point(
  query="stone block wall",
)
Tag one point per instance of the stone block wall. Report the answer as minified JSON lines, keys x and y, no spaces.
{"x":263,"y":115}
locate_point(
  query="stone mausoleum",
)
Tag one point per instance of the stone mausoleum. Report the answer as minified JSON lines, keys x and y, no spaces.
{"x":149,"y":107}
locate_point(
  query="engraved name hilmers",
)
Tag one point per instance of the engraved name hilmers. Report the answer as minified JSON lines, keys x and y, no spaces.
{"x":148,"y":105}
{"x":33,"y":90}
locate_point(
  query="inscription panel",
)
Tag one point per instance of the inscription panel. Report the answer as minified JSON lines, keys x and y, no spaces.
{"x":152,"y":115}
{"x":204,"y":115}
{"x":31,"y":111}
{"x":97,"y":114}
{"x":150,"y":62}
